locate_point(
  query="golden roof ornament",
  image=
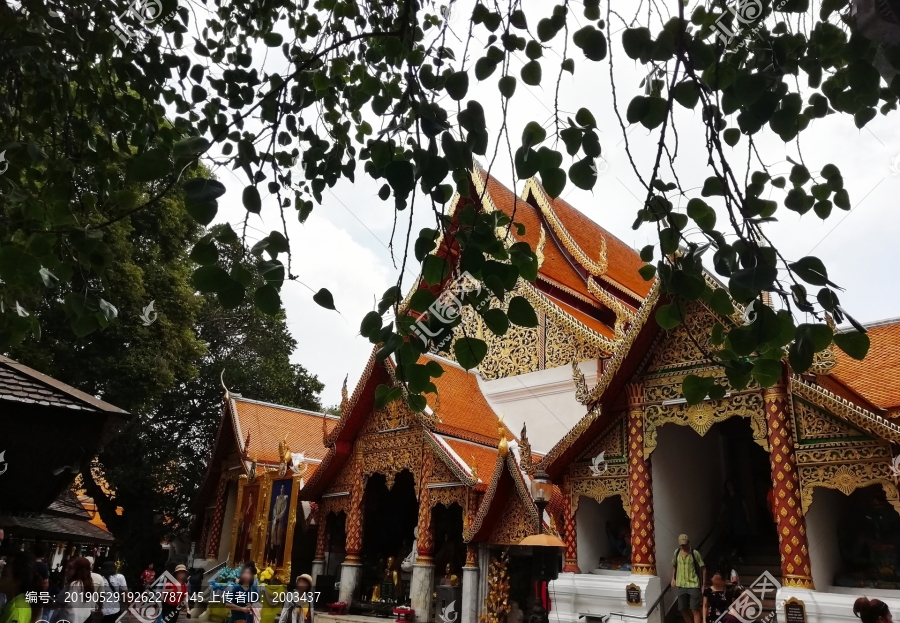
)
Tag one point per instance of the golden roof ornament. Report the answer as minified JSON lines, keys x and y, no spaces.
{"x":245,"y":453}
{"x":345,"y":400}
{"x":539,"y":250}
{"x":251,"y":476}
{"x":503,"y":446}
{"x":473,"y":467}
{"x":525,"y":446}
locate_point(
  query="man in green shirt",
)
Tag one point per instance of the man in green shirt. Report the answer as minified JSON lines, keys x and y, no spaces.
{"x":688,"y":578}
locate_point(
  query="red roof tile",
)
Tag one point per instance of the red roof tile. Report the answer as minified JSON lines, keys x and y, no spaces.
{"x":268,"y":424}
{"x":485,"y":458}
{"x":463,"y":410}
{"x":877,"y":377}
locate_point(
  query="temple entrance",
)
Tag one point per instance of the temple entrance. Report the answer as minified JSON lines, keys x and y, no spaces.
{"x":854,"y":540}
{"x":449,"y":548}
{"x":303,"y":547}
{"x":715,"y":488}
{"x":389,"y":520}
{"x":335,"y":540}
{"x":604,"y":535}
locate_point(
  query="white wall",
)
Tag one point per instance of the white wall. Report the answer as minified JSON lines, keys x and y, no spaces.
{"x":687,"y":489}
{"x":545,"y":400}
{"x":228,"y":522}
{"x":590,"y":528}
{"x":821,"y":529}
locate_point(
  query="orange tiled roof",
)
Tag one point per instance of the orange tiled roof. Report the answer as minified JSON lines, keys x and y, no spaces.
{"x":624,"y":262}
{"x":463,"y":410}
{"x":485,"y":458}
{"x":877,"y":377}
{"x":556,"y":265}
{"x":268,"y":424}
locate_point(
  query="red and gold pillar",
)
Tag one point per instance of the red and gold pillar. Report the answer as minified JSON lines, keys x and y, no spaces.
{"x":795,"y":564}
{"x":571,"y":537}
{"x":355,"y":515}
{"x":218,"y":519}
{"x":321,"y":533}
{"x":640,"y":487}
{"x":426,"y":533}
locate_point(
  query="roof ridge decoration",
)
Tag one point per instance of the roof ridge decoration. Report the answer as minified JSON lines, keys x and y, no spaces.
{"x":438,"y":448}
{"x":595,"y":268}
{"x":507,"y":462}
{"x":329,"y":440}
{"x":623,"y":314}
{"x":866,"y":420}
{"x":542,"y":302}
{"x":624,"y":345}
{"x":345,"y":400}
{"x":581,"y":388}
{"x":539,"y":250}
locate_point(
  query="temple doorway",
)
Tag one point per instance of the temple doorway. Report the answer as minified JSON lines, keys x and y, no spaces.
{"x":303,"y":546}
{"x":335,"y":540}
{"x":854,"y":540}
{"x":389,"y":520}
{"x":604,"y":535}
{"x":449,"y":548}
{"x":716,"y":489}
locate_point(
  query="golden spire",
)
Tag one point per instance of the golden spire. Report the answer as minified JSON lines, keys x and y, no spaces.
{"x":345,"y":401}
{"x":473,"y":466}
{"x":324,"y":430}
{"x":526,"y":450}
{"x":503,"y":446}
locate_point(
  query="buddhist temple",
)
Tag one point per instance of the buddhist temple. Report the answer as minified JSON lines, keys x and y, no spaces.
{"x":798,"y":480}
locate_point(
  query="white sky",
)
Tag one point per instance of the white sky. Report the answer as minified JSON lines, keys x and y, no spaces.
{"x":343,"y":245}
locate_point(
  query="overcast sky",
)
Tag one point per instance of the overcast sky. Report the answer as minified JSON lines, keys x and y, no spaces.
{"x":343,"y":246}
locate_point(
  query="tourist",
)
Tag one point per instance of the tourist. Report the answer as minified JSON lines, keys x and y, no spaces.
{"x":717,"y":599}
{"x":147,"y":577}
{"x":867,"y":610}
{"x":688,"y":576}
{"x":174,"y":595}
{"x":116,"y":588}
{"x":76,"y":596}
{"x":240,"y":597}
{"x":299,"y":607}
{"x":18,"y":577}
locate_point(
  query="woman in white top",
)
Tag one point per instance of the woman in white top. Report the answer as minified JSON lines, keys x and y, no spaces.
{"x":114,"y":601}
{"x":77,"y":599}
{"x":298,"y":606}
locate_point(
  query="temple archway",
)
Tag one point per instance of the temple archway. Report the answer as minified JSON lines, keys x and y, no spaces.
{"x":389,"y":520}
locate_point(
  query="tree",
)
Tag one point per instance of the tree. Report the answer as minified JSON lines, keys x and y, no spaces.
{"x":383,"y":87}
{"x":167,"y":373}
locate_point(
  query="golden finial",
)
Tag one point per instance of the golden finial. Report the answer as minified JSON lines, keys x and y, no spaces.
{"x":473,"y":466}
{"x":246,"y":445}
{"x":345,"y":400}
{"x":503,"y":446}
{"x":526,"y":450}
{"x":222,"y":381}
{"x":284,"y":451}
{"x":324,"y":430}
{"x":539,"y":250}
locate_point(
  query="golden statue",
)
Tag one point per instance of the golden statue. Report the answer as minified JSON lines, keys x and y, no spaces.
{"x":449,"y":578}
{"x":284,"y":451}
{"x":391,"y":576}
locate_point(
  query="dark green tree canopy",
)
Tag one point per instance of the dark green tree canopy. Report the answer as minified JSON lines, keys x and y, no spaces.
{"x":91,"y":90}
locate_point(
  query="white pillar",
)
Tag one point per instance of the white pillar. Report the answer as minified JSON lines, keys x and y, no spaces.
{"x":420,"y":591}
{"x":350,"y":574}
{"x":484,"y":562}
{"x":469,"y":607}
{"x":318,"y":568}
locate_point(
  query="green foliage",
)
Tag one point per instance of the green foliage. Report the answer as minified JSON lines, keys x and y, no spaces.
{"x":100,"y":129}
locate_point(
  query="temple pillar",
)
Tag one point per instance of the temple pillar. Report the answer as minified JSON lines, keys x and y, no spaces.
{"x":218,"y":518}
{"x":422,"y":585}
{"x":571,"y":537}
{"x":351,"y":569}
{"x":640,"y":486}
{"x":318,"y":563}
{"x":469,"y":606}
{"x":792,"y":540}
